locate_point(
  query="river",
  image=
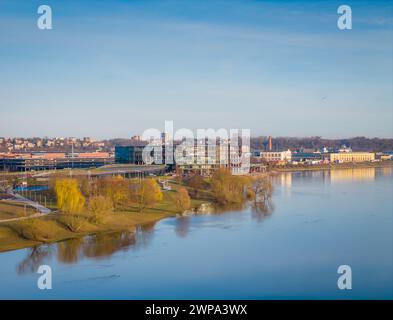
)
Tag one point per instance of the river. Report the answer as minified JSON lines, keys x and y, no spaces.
{"x":291,"y":250}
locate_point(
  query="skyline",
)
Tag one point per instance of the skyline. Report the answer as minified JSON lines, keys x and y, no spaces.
{"x":136,"y":135}
{"x":115,"y":70}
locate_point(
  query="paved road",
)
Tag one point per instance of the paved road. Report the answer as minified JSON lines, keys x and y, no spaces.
{"x":127,"y":169}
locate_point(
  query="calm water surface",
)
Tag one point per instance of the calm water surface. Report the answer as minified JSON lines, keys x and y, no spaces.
{"x":319,"y":220}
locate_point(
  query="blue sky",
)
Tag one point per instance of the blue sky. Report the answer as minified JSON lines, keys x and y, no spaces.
{"x":115,"y":68}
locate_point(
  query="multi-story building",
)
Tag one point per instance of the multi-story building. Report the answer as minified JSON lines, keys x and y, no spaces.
{"x":198,"y":156}
{"x":50,"y":161}
{"x":204,"y":158}
{"x":351,"y":157}
{"x":276,"y":156}
{"x":131,"y":154}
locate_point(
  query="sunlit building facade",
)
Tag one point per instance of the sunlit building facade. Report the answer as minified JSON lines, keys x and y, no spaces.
{"x":340,"y":157}
{"x":276,"y":156}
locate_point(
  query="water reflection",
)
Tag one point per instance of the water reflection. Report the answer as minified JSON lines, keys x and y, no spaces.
{"x":104,"y":245}
{"x":99,"y":246}
{"x":292,"y":234}
{"x":349,"y":175}
{"x":69,"y":251}
{"x":144,"y":234}
{"x":385,"y":172}
{"x":35,"y":257}
{"x":233,"y":207}
{"x":262,"y":210}
{"x":182,"y":226}
{"x":285,"y":179}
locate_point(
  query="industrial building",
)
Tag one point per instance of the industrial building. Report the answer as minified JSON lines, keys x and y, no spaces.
{"x":52,"y":161}
{"x":276,"y":156}
{"x":340,"y":157}
{"x":308,"y":157}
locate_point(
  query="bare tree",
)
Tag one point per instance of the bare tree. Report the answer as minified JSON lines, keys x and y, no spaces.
{"x":262,"y":189}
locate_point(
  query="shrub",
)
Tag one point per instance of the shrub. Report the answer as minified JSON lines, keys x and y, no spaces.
{"x":196,"y":183}
{"x":183,"y":201}
{"x":146,"y":193}
{"x":98,"y":207}
{"x":69,"y":196}
{"x":227,"y":188}
{"x":33,"y":229}
{"x":72,"y":222}
{"x":116,"y":189}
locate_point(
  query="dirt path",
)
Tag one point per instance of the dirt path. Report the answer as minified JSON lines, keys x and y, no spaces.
{"x":42,"y":211}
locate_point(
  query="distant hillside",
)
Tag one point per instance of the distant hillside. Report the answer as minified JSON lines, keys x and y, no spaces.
{"x":356,"y":143}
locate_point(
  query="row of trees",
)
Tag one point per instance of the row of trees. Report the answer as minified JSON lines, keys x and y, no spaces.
{"x":104,"y":195}
{"x":229,"y":189}
{"x":357,"y":143}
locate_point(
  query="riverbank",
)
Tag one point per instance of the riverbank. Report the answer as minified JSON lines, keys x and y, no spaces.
{"x":57,"y":227}
{"x":331,"y":166}
{"x":52,"y":228}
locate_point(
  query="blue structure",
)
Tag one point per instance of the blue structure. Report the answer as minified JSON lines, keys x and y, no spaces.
{"x":306,"y":156}
{"x":131,"y":154}
{"x":21,"y":164}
